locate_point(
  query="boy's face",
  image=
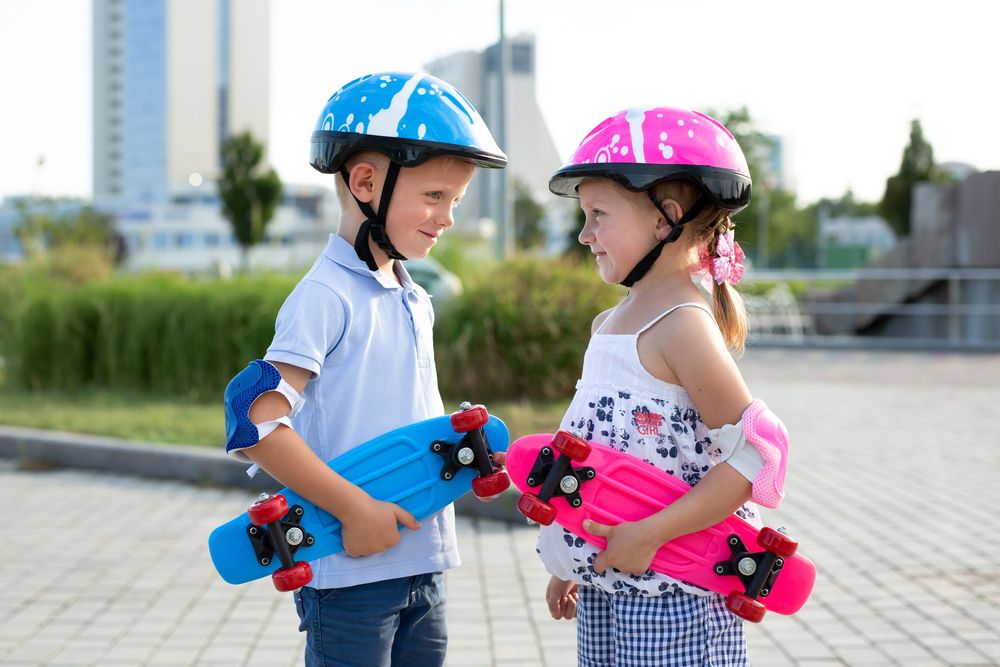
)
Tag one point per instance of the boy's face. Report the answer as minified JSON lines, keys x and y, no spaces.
{"x":423,"y":203}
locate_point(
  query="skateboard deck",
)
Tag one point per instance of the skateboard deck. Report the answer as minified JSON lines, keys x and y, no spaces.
{"x":568,"y":480}
{"x":422,"y":467}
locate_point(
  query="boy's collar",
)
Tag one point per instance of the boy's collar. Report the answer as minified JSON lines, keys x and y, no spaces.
{"x":340,"y":251}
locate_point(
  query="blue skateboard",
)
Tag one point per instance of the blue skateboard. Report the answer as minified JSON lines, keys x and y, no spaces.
{"x":422,"y":467}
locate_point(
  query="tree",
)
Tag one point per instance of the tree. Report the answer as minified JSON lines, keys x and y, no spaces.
{"x":248,"y":199}
{"x":791,"y":232}
{"x":917,"y":166}
{"x":41,"y":231}
{"x":528,"y":215}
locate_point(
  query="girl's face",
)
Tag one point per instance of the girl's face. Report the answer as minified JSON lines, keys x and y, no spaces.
{"x":620,"y":227}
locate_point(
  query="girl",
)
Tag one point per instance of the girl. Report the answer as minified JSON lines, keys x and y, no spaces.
{"x":658,"y":187}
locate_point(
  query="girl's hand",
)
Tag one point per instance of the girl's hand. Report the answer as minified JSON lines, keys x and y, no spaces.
{"x":498,"y":459}
{"x":630,"y":546}
{"x":562,"y":597}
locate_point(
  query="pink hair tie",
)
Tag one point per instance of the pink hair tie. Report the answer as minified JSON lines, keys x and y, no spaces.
{"x":726,"y":265}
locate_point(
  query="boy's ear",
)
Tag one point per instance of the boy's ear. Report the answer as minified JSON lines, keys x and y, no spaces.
{"x":362,"y":181}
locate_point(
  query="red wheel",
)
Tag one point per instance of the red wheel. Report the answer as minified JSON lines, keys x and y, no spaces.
{"x":292,"y":578}
{"x":268,"y":510}
{"x":777,"y":542}
{"x":469,"y":420}
{"x":536,"y":509}
{"x":490,"y":485}
{"x":745,"y":607}
{"x":577,"y":449}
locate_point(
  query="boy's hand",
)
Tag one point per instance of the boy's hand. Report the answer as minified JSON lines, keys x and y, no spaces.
{"x":562,"y":597}
{"x":630,"y":546}
{"x":372,"y":527}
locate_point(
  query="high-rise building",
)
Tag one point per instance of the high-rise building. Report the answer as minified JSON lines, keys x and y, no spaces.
{"x":529,"y":147}
{"x":173,"y":79}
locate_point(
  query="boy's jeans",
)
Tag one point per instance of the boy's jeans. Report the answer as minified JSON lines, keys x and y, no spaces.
{"x":392,"y":623}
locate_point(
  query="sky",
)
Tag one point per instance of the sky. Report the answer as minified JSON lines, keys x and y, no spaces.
{"x":838,"y":81}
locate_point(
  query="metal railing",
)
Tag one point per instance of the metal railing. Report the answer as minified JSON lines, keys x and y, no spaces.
{"x":954,"y":309}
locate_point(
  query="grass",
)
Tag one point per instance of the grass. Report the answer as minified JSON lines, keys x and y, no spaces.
{"x":176,"y":421}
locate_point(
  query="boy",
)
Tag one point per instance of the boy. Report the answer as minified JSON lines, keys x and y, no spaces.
{"x":354,"y":338}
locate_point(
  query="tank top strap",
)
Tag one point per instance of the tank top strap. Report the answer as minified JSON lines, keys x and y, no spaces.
{"x":605,"y":322}
{"x":659,"y":317}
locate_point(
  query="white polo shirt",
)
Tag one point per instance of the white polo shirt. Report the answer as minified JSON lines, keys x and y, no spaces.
{"x":369,"y":344}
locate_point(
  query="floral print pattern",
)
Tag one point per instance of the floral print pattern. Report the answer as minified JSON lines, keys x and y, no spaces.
{"x":665,"y":431}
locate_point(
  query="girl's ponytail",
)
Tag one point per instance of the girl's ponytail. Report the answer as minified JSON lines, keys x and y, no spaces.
{"x":727,"y":304}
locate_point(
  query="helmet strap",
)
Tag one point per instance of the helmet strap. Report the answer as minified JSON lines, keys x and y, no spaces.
{"x":374,"y":225}
{"x":646,"y":263}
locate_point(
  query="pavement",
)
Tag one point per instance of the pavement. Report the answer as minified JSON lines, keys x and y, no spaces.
{"x":891,"y":492}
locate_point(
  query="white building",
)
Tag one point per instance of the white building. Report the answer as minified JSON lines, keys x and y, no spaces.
{"x":529,"y":147}
{"x":850,"y":242}
{"x":172,"y":80}
{"x":189,"y":234}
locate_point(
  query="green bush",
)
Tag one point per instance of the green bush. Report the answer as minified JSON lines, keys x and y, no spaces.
{"x":519,"y":330}
{"x":158,"y":333}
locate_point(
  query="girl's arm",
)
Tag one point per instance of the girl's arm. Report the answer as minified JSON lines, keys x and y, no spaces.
{"x":698,"y":358}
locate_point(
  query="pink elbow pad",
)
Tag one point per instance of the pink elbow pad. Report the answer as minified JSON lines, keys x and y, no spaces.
{"x":764,"y":430}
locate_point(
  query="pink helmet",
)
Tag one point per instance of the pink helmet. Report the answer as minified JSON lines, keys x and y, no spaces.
{"x":639,"y":147}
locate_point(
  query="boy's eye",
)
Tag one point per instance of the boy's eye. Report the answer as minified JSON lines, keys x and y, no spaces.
{"x":434,"y":195}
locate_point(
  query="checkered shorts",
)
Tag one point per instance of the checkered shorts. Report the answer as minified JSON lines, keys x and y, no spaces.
{"x":678,"y":630}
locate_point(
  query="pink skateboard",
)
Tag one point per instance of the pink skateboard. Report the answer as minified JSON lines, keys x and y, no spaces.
{"x":614,"y":487}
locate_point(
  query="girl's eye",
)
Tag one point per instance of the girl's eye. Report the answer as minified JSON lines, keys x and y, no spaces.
{"x":435,"y":196}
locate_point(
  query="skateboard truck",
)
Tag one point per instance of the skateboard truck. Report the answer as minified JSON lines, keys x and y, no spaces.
{"x":556,"y":477}
{"x":473,"y":450}
{"x":275,"y":530}
{"x":757,"y":570}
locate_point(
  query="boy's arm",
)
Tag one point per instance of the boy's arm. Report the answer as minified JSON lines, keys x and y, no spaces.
{"x":369,"y":525}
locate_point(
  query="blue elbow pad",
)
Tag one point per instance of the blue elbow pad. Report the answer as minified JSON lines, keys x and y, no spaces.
{"x":246,"y":387}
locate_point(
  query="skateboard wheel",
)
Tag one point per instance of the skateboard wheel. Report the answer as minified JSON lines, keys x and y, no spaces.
{"x":777,"y":542}
{"x":292,"y":578}
{"x":490,"y":485}
{"x":745,"y":607}
{"x":469,"y":420}
{"x":577,"y":449}
{"x":536,"y":509}
{"x":267,"y":511}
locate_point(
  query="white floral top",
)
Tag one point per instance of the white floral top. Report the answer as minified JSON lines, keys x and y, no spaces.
{"x":619,"y":404}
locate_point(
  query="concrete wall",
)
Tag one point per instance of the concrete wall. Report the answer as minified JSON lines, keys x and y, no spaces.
{"x":977,"y":223}
{"x":953,"y":226}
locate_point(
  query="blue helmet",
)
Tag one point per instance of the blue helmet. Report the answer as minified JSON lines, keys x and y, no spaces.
{"x":410,"y":118}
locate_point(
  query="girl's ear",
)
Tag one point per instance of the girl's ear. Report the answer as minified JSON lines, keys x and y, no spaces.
{"x":362,"y":181}
{"x":674,"y":210}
